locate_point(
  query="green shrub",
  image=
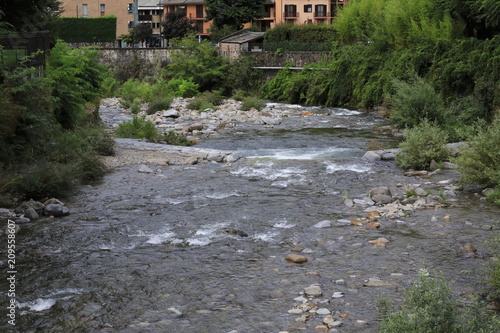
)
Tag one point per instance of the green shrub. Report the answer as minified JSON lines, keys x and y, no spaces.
{"x":239,"y":95}
{"x":207,"y":100}
{"x":252,"y":102}
{"x":428,"y":308}
{"x":47,"y":179}
{"x":135,"y":107}
{"x":138,"y":128}
{"x":159,"y":104}
{"x":494,"y":197}
{"x":90,"y":168}
{"x":479,"y":164}
{"x":134,"y":89}
{"x":415,"y":101}
{"x":422,"y":144}
{"x":183,"y":88}
{"x":109,"y":86}
{"x":173,"y":138}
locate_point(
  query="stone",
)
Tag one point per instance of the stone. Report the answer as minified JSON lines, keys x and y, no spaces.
{"x":433,"y":200}
{"x":420,"y":192}
{"x":235,"y":232}
{"x":323,"y":224}
{"x":388,"y":157}
{"x":323,"y":311}
{"x":270,"y":121}
{"x":382,"y":190}
{"x":336,"y":323}
{"x":323,"y":328}
{"x":27,"y":204}
{"x":373,"y":225}
{"x":416,"y":173}
{"x":470,"y":250}
{"x":31,"y":213}
{"x":433,"y":166}
{"x":379,"y":242}
{"x":4,"y":212}
{"x":53,"y":201}
{"x":217,"y":156}
{"x":174,"y":312}
{"x":191,"y":160}
{"x":348,"y":202}
{"x":372,"y":156}
{"x":360,"y":323}
{"x":338,"y":294}
{"x":373,"y":215}
{"x":295,"y":311}
{"x":376,"y":282}
{"x":171,"y":114}
{"x":233,"y":157}
{"x":296,"y":258}
{"x":328,"y":319}
{"x":357,"y":222}
{"x":145,"y":169}
{"x":340,"y":281}
{"x":313,"y":291}
{"x":56,"y":210}
{"x":381,"y":199}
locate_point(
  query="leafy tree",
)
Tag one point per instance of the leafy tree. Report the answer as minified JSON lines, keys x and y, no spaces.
{"x":234,"y":13}
{"x":30,"y":15}
{"x":176,"y":25}
{"x":198,"y":62}
{"x":143,"y":32}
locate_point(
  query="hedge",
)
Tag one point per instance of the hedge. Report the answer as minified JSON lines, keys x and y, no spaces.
{"x":86,"y":30}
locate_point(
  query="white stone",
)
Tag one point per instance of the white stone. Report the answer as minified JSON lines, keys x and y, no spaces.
{"x":338,"y":294}
{"x":323,"y":224}
{"x":313,"y":291}
{"x":295,"y":311}
{"x":145,"y":169}
{"x":323,"y":311}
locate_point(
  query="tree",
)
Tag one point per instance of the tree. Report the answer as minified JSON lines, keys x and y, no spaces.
{"x":30,"y":15}
{"x":176,"y":25}
{"x":234,"y":13}
{"x":198,"y":62}
{"x":143,"y":32}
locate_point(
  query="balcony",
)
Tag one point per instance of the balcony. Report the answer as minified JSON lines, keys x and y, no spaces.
{"x":145,"y":17}
{"x":321,"y":14}
{"x":197,"y":16}
{"x":291,"y":15}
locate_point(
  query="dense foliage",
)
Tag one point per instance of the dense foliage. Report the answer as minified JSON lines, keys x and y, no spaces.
{"x":49,"y":141}
{"x":86,"y":30}
{"x":30,"y":15}
{"x":176,"y":25}
{"x":233,"y":13}
{"x":299,"y":38}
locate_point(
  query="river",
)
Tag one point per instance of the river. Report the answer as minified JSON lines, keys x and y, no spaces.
{"x":201,"y":248}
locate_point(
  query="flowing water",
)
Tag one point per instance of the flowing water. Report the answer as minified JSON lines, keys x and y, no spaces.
{"x":202,"y":248}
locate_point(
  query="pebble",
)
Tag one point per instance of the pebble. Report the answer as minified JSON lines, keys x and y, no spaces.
{"x":338,"y":294}
{"x":313,"y":291}
{"x":145,"y":169}
{"x":296,"y":258}
{"x":323,"y":311}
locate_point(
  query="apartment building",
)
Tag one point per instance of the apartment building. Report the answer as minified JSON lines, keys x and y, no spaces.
{"x":151,"y":12}
{"x":97,"y":8}
{"x":275,"y":12}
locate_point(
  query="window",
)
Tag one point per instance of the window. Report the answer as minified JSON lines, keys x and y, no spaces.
{"x":103,"y":9}
{"x":85,"y":10}
{"x":290,"y":11}
{"x":320,"y":11}
{"x":199,"y":11}
{"x":308,"y":8}
{"x":130,"y":8}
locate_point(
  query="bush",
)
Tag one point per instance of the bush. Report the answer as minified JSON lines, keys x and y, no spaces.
{"x":207,"y":100}
{"x":136,"y":105}
{"x":159,"y":104}
{"x":133,"y":90}
{"x":173,"y":138}
{"x":412,"y":102}
{"x":183,"y":88}
{"x":479,"y":164}
{"x":138,"y":128}
{"x":423,"y":144}
{"x":252,"y":102}
{"x":428,"y":308}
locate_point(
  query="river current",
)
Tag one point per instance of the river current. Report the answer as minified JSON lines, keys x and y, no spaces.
{"x":201,"y":248}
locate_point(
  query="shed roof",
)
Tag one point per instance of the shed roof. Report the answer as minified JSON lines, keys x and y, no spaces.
{"x":242,"y":36}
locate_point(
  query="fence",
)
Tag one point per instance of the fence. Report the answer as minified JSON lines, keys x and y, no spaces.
{"x":26,"y":49}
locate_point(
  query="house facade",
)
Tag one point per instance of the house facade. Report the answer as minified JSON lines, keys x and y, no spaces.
{"x":97,"y":8}
{"x":275,"y":12}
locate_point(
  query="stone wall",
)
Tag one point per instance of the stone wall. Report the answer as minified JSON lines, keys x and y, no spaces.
{"x":135,"y":62}
{"x":297,"y":58}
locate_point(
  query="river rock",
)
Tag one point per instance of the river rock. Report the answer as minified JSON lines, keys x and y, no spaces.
{"x":420,"y":191}
{"x":323,"y":311}
{"x":56,"y":210}
{"x":382,"y":190}
{"x":145,"y":169}
{"x":233,"y":157}
{"x":382,"y":199}
{"x":38,"y":206}
{"x":348,"y":202}
{"x":296,"y":258}
{"x":53,"y":201}
{"x":235,"y":232}
{"x":171,"y":114}
{"x":379,"y":242}
{"x":31,"y":213}
{"x":174,"y":312}
{"x":433,"y":200}
{"x":372,"y":156}
{"x":313,"y":291}
{"x":376,"y":282}
{"x":270,"y":121}
{"x":388,"y":157}
{"x":4,"y":212}
{"x":323,"y":224}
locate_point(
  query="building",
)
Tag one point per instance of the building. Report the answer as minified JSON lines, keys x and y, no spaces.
{"x":276,"y":12}
{"x":234,"y":45}
{"x":97,"y":8}
{"x":150,"y":11}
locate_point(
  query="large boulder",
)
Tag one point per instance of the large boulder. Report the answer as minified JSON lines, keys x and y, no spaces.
{"x":56,"y":210}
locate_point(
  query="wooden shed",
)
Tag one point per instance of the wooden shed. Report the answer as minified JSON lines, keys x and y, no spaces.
{"x":232,"y":46}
